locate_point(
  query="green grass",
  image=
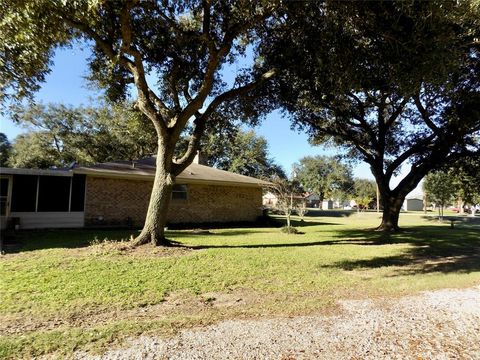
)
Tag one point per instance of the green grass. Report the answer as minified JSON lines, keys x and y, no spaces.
{"x":58,"y":294}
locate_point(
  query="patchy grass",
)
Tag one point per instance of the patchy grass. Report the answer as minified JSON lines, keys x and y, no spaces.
{"x":65,"y":291}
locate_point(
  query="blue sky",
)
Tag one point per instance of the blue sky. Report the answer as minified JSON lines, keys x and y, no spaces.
{"x":66,"y":84}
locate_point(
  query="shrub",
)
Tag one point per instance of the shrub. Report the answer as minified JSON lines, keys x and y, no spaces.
{"x":289,"y":230}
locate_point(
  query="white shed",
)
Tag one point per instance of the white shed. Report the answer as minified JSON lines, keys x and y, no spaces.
{"x":413,"y":204}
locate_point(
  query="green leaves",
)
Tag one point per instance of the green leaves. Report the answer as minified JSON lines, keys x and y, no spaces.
{"x":242,"y":152}
{"x":324,"y":176}
{"x":59,"y":135}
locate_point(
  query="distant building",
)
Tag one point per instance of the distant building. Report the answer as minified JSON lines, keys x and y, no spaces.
{"x":413,"y":204}
{"x":327,"y":204}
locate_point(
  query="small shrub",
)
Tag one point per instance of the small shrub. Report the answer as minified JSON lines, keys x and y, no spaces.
{"x":289,"y":230}
{"x":109,"y":247}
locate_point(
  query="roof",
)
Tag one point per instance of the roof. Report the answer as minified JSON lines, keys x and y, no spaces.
{"x":48,"y":172}
{"x":145,"y":169}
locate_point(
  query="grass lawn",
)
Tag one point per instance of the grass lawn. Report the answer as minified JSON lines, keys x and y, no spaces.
{"x":59,"y":293}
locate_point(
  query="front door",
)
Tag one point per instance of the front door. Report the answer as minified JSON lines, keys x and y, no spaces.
{"x":5,"y":196}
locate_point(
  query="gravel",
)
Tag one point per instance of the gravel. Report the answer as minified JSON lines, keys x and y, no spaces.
{"x":441,"y":324}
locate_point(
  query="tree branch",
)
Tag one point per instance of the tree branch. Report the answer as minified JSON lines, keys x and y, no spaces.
{"x":237,"y":92}
{"x":396,"y":113}
{"x":134,"y":67}
{"x":193,"y":145}
{"x":416,"y":148}
{"x":426,"y":116}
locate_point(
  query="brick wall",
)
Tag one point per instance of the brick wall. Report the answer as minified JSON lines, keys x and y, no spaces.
{"x":117,"y":199}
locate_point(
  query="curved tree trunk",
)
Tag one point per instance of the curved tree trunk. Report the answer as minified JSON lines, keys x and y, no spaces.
{"x":391,"y":212}
{"x":156,"y":219}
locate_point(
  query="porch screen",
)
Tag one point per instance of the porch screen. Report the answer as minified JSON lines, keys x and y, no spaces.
{"x":78,"y":193}
{"x":54,"y":193}
{"x":3,"y":196}
{"x":24,"y":193}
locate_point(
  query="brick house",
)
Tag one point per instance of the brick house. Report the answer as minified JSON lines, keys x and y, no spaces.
{"x":117,"y":193}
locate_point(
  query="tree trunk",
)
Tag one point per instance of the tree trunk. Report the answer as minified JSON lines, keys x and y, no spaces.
{"x":321,"y":196}
{"x":156,"y":219}
{"x":391,"y":212}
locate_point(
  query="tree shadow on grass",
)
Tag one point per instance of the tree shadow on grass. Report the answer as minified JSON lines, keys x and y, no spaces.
{"x":329,"y":213}
{"x":432,"y":249}
{"x":31,"y":240}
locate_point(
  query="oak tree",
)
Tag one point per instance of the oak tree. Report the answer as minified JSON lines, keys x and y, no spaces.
{"x":392,"y":83}
{"x":169,"y":53}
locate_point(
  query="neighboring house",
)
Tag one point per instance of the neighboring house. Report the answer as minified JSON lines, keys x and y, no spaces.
{"x":413,"y":204}
{"x":117,"y":193}
{"x":269,"y":199}
{"x":313,"y":201}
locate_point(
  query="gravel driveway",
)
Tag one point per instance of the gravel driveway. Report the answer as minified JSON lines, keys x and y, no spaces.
{"x":441,"y":324}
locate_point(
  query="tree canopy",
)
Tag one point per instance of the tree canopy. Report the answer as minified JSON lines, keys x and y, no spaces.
{"x":5,"y":149}
{"x":59,"y":135}
{"x":466,"y":174}
{"x":390,"y":82}
{"x":244,"y":153}
{"x":440,"y":188}
{"x":324,"y":176}
{"x":457,"y":182}
{"x":364,"y":192}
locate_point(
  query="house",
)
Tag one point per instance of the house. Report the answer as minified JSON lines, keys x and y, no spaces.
{"x":413,"y":204}
{"x":117,"y":193}
{"x":313,"y":201}
{"x":269,"y":199}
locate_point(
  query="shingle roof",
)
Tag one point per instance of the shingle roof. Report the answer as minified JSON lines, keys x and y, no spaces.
{"x":145,"y":168}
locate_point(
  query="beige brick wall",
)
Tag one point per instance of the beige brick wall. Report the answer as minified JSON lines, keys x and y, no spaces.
{"x":117,"y":199}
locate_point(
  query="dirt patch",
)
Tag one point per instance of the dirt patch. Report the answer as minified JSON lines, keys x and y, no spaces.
{"x":125,"y":248}
{"x":175,"y":305}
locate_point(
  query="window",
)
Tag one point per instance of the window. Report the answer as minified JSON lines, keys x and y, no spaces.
{"x":54,"y":193}
{"x":24,"y":193}
{"x":179,"y":192}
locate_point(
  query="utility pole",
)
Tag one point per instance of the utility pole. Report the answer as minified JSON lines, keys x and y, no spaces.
{"x":378,"y":199}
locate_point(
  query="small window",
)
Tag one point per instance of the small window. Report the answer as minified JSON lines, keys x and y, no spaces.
{"x":179,"y":192}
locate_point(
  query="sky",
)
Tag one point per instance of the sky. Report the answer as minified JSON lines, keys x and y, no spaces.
{"x":66,"y":84}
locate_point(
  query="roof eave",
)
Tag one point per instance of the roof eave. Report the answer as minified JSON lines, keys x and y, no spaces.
{"x":180,"y":179}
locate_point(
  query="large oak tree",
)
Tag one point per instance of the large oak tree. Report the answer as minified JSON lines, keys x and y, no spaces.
{"x":393,"y":83}
{"x":169,"y":52}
